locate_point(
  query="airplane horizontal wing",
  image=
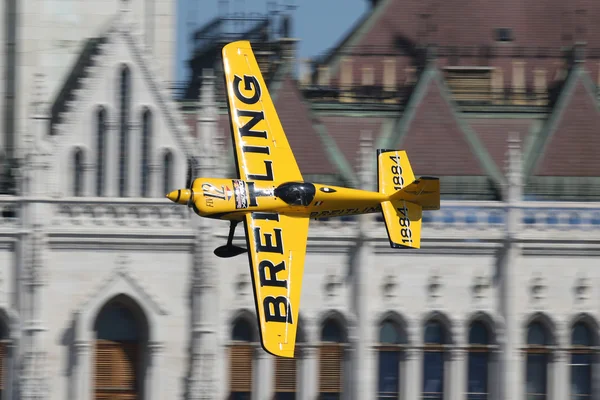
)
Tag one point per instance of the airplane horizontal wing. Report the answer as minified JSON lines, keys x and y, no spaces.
{"x":261,"y":148}
{"x":277,"y":249}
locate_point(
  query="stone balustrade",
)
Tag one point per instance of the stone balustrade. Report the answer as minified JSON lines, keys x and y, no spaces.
{"x":481,"y":220}
{"x":487,"y":220}
{"x":131,"y":213}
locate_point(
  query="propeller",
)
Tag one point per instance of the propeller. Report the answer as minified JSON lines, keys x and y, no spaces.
{"x":190,"y":183}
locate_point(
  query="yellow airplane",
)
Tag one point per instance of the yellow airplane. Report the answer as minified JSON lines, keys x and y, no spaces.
{"x":276,"y":204}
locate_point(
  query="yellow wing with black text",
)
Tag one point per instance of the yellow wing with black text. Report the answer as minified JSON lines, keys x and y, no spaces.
{"x":262,"y":151}
{"x":277,"y":249}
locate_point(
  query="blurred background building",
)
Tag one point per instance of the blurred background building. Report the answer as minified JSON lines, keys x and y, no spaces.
{"x":107,"y":290}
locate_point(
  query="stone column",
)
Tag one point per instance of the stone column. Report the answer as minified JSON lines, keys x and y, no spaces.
{"x":458,"y":373}
{"x":153,"y":372}
{"x":508,"y":258}
{"x":362,"y":362}
{"x":559,"y":375}
{"x":202,"y":375}
{"x":309,"y":373}
{"x":413,"y":374}
{"x":262,"y":379}
{"x":84,"y":372}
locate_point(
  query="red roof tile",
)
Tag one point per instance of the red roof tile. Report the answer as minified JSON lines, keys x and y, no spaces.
{"x":346,"y":131}
{"x":494,"y":134}
{"x":572,"y":150}
{"x":539,"y":24}
{"x":435,"y":142}
{"x":295,"y":118}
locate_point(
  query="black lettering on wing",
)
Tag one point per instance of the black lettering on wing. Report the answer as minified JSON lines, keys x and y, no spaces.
{"x":273,"y":309}
{"x":266,"y":177}
{"x":250,"y":83}
{"x":268,"y":247}
{"x":255,"y":118}
{"x":271,"y":279}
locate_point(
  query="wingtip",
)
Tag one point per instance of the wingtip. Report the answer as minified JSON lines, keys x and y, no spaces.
{"x":236,"y":44}
{"x":280,"y":351}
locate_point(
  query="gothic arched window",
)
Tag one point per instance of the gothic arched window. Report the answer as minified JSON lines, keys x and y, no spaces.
{"x":240,"y":359}
{"x":478,"y":361}
{"x":124,"y":100}
{"x":331,"y":360}
{"x":101,"y":150}
{"x":78,"y":172}
{"x":167,"y":171}
{"x":391,"y":340}
{"x":538,"y":354}
{"x":146,"y":149}
{"x":433,"y":360}
{"x":581,"y":361}
{"x":121,"y":338}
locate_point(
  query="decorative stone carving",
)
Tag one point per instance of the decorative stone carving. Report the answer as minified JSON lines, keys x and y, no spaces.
{"x":434,"y":285}
{"x":538,"y":287}
{"x":119,"y":215}
{"x":480,"y":286}
{"x":242,"y":285}
{"x":582,"y":288}
{"x":332,"y":285}
{"x":389,"y":286}
{"x":122,"y":272}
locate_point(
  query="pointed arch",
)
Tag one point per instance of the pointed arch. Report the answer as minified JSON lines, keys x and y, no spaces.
{"x":244,"y":337}
{"x":392,"y":342}
{"x":121,"y":344}
{"x":583,"y":338}
{"x":539,"y":339}
{"x":124,"y":109}
{"x":332,"y":354}
{"x":167,"y":170}
{"x":546,"y":323}
{"x":436,"y":334}
{"x":146,"y":151}
{"x":148,"y":311}
{"x":101,"y":123}
{"x":78,"y":171}
{"x":480,"y":339}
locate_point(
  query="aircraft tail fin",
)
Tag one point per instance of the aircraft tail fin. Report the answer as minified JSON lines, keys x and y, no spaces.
{"x":396,"y":179}
{"x":407,"y":198}
{"x":403,"y":223}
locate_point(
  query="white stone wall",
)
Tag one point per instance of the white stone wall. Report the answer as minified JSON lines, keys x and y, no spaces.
{"x":149,"y":249}
{"x":51,"y":34}
{"x":103,"y":90}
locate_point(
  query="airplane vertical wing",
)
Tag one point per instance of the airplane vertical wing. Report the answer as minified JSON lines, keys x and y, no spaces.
{"x":262,"y":151}
{"x":276,"y":243}
{"x":277,"y":249}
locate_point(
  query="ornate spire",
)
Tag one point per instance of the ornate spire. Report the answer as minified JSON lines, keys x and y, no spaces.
{"x":366,"y":160}
{"x":207,"y":121}
{"x":514,"y":189}
{"x":514,"y":168}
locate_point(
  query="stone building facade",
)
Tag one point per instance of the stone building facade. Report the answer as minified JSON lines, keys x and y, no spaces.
{"x":110,"y":291}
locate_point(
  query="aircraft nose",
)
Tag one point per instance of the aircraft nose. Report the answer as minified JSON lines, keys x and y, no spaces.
{"x":180,"y":196}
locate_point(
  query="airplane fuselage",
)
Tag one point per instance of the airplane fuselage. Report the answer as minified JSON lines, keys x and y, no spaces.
{"x":230,"y":199}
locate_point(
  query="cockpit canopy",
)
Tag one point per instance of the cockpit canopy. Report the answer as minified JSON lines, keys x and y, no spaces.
{"x":296,"y":193}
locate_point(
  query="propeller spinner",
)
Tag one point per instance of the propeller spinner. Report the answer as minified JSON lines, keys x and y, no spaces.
{"x":184,"y":196}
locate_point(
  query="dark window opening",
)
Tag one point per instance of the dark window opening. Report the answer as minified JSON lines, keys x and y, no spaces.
{"x":504,"y":35}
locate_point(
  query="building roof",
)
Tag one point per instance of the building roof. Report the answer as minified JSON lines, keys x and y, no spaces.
{"x":569,"y":143}
{"x":540,"y":86}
